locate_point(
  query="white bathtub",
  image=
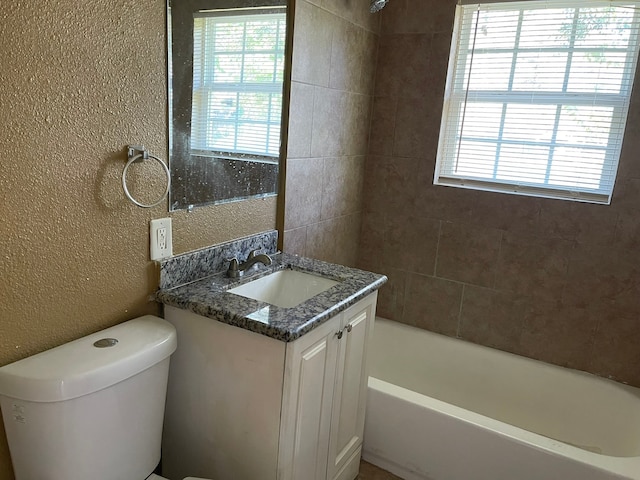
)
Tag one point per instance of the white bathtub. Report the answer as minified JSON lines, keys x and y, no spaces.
{"x":444,"y":409}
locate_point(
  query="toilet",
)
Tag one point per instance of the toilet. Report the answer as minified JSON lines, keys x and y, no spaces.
{"x":92,"y":408}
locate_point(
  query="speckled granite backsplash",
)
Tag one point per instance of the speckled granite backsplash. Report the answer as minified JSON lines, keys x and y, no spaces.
{"x":192,"y":266}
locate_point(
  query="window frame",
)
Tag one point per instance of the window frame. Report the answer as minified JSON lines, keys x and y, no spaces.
{"x":457,"y":99}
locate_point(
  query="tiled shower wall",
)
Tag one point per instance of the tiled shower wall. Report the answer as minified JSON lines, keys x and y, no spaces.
{"x":554,"y":280}
{"x":332,"y":85}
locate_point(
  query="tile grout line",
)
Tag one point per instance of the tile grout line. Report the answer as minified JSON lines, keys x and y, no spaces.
{"x":464,"y":286}
{"x":435,"y":263}
{"x":497,"y":264}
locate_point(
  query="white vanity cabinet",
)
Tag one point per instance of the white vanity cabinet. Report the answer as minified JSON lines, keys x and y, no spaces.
{"x":324,"y":398}
{"x":246,"y":406}
{"x":350,"y":393}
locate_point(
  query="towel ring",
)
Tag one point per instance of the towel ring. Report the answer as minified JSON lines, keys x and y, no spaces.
{"x":136,"y":154}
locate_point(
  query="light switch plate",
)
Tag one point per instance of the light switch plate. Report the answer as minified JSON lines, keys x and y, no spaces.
{"x":161,"y":239}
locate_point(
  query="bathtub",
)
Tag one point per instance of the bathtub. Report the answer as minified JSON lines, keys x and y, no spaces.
{"x":439,"y":408}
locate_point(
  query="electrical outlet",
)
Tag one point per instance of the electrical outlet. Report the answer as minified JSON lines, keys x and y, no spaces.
{"x":160,"y":239}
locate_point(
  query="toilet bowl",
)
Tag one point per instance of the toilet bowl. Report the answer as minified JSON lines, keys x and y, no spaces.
{"x":91,"y":408}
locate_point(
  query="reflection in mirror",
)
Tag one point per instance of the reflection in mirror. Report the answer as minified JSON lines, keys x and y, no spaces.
{"x":226,"y":80}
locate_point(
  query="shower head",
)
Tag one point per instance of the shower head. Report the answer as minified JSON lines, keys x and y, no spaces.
{"x":377,"y":5}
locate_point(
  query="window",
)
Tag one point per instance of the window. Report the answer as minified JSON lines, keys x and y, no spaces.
{"x":537,"y":97}
{"x":238,"y":64}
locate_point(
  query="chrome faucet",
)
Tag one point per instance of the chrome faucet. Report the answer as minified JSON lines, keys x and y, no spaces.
{"x":237,"y":269}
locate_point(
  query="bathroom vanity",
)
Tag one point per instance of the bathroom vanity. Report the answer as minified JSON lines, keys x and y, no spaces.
{"x":260,"y":391}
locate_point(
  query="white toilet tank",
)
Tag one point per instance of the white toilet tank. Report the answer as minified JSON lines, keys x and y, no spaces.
{"x":91,"y":409}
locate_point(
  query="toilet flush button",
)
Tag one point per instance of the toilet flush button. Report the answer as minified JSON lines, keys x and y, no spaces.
{"x":105,"y":342}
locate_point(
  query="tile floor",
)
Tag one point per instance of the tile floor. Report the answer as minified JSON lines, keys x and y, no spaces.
{"x":371,"y":472}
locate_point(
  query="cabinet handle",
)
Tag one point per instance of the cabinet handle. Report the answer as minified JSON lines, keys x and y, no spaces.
{"x":339,"y":333}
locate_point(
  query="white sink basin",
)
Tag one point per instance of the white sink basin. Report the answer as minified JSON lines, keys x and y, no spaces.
{"x":285,"y":288}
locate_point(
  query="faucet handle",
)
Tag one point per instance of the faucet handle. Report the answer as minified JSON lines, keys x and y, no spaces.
{"x":233,"y":270}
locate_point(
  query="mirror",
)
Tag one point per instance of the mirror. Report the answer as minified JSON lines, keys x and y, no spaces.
{"x":226,"y":96}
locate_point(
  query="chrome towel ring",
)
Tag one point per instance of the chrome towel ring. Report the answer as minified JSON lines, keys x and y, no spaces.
{"x":135,"y":154}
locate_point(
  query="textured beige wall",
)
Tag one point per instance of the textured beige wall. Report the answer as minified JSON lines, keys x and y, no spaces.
{"x":80,"y":80}
{"x":550,"y":279}
{"x":332,"y":86}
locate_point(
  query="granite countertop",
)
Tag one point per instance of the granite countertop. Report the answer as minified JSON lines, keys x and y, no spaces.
{"x":209,"y":297}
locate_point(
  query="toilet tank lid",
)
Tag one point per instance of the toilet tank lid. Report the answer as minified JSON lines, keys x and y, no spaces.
{"x":79,"y":367}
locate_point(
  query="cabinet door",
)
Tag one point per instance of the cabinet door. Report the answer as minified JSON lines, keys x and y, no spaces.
{"x":306,"y":412}
{"x":349,"y":401}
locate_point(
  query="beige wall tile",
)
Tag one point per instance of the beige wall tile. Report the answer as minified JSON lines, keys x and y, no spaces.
{"x":584,"y":222}
{"x":604,"y":274}
{"x":560,"y":334}
{"x":383,"y":125}
{"x":417,"y":126}
{"x":313,"y":33}
{"x":345,"y":56}
{"x":433,"y":304}
{"x":491,"y":318}
{"x":369,"y":59}
{"x":615,"y":348}
{"x":411,"y":243}
{"x":349,"y":227}
{"x":295,"y":241}
{"x":468,"y":253}
{"x":627,"y":234}
{"x":304,"y":192}
{"x":626,"y":194}
{"x":340,"y":123}
{"x":394,"y":184}
{"x":425,"y":16}
{"x":342,"y":182}
{"x":353,"y":52}
{"x":513,"y":213}
{"x":300,"y":120}
{"x":438,"y":64}
{"x":329,"y":123}
{"x":355,"y":136}
{"x":335,"y":240}
{"x":391,"y":295}
{"x":371,"y":241}
{"x":321,"y":240}
{"x":533,"y":266}
{"x":448,"y":203}
{"x":631,"y":144}
{"x":403,"y":65}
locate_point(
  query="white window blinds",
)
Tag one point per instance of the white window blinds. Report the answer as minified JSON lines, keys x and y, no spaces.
{"x":238,"y":64}
{"x":537,"y":97}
